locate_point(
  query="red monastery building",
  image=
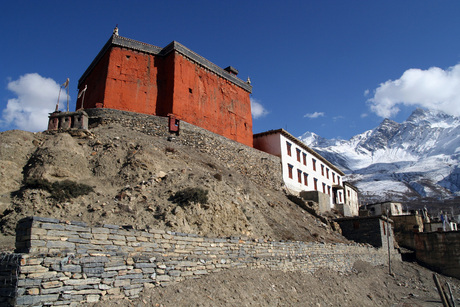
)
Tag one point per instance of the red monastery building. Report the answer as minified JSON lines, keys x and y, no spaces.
{"x":133,"y":76}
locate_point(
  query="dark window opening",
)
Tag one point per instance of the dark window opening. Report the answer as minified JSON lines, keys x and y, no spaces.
{"x":288,"y":146}
{"x":290,"y":170}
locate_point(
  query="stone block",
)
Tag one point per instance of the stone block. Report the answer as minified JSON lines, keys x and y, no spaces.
{"x":100,"y":236}
{"x":93,"y":271}
{"x":104,"y":287}
{"x":33,"y":291}
{"x":100,"y":230}
{"x":116,"y":237}
{"x":51,"y":284}
{"x":114,"y":291}
{"x":121,"y":283}
{"x":92,"y":298}
{"x":56,"y":290}
{"x":60,"y":244}
{"x":100,"y":259}
{"x":85,"y":281}
{"x":174,"y":273}
{"x":36,"y":299}
{"x":29,"y":282}
{"x":133,"y":292}
{"x":119,"y":268}
{"x":161,"y":278}
{"x":52,"y":226}
{"x":129,"y":276}
{"x":67,"y":268}
{"x":32,"y":269}
{"x":148,"y":270}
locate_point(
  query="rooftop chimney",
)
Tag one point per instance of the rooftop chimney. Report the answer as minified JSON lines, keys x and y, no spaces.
{"x":231,"y":70}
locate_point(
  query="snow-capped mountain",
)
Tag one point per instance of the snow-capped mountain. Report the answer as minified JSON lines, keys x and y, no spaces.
{"x":399,"y":161}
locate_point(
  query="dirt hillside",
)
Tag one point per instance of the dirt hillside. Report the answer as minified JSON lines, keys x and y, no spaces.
{"x":126,"y":177}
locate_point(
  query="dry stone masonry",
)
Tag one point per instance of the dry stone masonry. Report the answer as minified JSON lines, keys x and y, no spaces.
{"x":262,"y":168}
{"x":68,"y":263}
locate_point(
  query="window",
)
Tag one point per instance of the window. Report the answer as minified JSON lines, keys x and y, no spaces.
{"x":340,"y":197}
{"x":333,"y":177}
{"x":290,"y":170}
{"x":327,"y":173}
{"x":288,"y":146}
{"x":315,"y":181}
{"x":299,"y":176}
{"x":324,"y":188}
{"x":329,"y":190}
{"x":348,"y":193}
{"x":304,"y":159}
{"x":305,"y":179}
{"x":338,"y":180}
{"x":314,"y":164}
{"x":322,"y":169}
{"x":298,"y":154}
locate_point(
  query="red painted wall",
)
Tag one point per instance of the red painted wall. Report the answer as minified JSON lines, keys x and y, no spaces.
{"x":96,"y":82}
{"x":211,"y":102}
{"x":134,"y":81}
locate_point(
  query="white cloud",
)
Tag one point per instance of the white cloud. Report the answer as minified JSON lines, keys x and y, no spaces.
{"x":366,"y":92}
{"x":434,"y":89}
{"x":36,"y":97}
{"x":257,"y":109}
{"x":314,"y":115}
{"x":364,"y":115}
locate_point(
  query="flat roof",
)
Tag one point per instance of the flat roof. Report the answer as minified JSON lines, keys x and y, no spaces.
{"x":301,"y":144}
{"x":119,"y":41}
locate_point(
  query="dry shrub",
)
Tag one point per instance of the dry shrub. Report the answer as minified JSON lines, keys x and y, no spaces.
{"x":188,"y":196}
{"x":59,"y":190}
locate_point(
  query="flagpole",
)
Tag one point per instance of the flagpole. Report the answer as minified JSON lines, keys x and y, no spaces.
{"x":57,"y":104}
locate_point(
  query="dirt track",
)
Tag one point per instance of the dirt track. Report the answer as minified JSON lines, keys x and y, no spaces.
{"x":411,"y":285}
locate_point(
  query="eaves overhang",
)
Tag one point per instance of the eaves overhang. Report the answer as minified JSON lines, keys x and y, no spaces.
{"x":119,"y":41}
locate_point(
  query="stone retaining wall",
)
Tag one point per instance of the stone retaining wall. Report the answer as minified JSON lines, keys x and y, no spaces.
{"x":69,"y":263}
{"x":262,"y":168}
{"x":439,"y":251}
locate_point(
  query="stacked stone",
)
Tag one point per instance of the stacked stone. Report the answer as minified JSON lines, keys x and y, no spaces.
{"x":9,"y":265}
{"x":262,"y":168}
{"x":64,"y":263}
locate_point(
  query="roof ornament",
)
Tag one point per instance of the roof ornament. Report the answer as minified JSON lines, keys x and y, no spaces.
{"x":115,"y":31}
{"x":248,"y":81}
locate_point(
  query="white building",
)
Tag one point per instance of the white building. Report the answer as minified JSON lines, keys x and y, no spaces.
{"x":303,"y":168}
{"x":351,"y":204}
{"x":393,"y":208}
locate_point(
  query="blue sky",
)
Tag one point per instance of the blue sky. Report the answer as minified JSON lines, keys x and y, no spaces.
{"x":335,"y":68}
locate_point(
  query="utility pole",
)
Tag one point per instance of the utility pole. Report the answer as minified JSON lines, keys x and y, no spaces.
{"x":388,"y":243}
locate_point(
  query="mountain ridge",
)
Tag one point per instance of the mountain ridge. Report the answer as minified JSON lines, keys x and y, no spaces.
{"x":411,"y":160}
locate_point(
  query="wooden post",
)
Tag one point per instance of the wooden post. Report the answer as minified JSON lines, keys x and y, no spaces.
{"x":440,"y":291}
